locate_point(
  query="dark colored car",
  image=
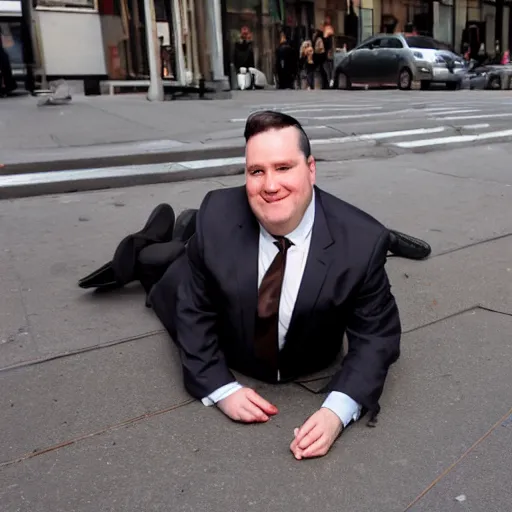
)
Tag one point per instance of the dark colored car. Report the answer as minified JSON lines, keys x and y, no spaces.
{"x":398,"y":60}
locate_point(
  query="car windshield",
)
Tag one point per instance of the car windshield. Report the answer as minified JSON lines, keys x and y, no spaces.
{"x":427,"y":43}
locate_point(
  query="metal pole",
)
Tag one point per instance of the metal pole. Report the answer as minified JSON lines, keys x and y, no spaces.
{"x":214,"y":20}
{"x":178,"y":43}
{"x":156,"y":88}
{"x":28,"y":48}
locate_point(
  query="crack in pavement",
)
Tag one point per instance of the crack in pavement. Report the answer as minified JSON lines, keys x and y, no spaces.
{"x":82,"y":350}
{"x":459,"y":460}
{"x":37,"y":452}
{"x":473,"y":244}
{"x":469,"y":178}
{"x":148,"y":334}
{"x":110,"y":428}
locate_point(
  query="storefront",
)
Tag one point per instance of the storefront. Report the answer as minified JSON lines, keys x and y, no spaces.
{"x":67,"y":40}
{"x":12,"y":35}
{"x":483,"y":25}
{"x":400,"y":16}
{"x":250,"y":30}
{"x":184,"y":48}
{"x":258,"y":23}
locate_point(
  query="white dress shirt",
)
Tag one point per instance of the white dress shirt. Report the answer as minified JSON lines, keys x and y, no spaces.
{"x":340,"y":403}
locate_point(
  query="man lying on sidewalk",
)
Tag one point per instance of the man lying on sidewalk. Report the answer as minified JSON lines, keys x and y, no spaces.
{"x":275,"y":275}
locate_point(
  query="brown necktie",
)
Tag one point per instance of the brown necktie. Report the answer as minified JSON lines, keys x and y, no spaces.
{"x":267,"y":321}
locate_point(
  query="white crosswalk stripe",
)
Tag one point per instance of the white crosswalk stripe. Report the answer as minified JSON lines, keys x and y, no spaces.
{"x":454,"y":139}
{"x":406,"y":124}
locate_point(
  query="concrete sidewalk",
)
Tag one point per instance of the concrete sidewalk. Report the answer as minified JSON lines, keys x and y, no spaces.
{"x":95,"y":417}
{"x":127,"y":129}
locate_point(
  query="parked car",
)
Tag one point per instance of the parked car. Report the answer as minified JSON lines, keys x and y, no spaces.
{"x":487,"y":76}
{"x":398,"y":60}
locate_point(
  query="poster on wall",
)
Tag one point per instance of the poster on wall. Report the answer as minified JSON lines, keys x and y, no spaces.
{"x":68,"y":4}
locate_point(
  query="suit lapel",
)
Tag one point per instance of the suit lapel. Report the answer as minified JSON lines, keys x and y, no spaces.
{"x":319,"y":260}
{"x":246,"y":264}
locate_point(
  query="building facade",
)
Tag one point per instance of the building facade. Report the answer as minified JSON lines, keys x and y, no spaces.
{"x":452,"y":22}
{"x":105,"y":40}
{"x":98,"y":40}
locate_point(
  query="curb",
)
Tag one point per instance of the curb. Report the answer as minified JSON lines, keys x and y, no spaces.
{"x":117,"y":181}
{"x":15,"y":185}
{"x":96,"y":162}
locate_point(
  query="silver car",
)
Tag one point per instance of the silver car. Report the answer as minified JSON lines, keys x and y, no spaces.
{"x":398,"y":60}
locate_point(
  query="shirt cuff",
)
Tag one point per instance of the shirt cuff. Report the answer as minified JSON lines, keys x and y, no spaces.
{"x":221,"y":393}
{"x":343,"y":406}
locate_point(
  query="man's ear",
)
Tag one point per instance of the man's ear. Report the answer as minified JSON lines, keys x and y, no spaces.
{"x":312,"y":168}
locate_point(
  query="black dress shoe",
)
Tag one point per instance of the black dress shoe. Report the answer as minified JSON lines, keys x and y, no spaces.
{"x":122,"y":268}
{"x":406,"y":246}
{"x":155,"y":259}
{"x":185,"y":225}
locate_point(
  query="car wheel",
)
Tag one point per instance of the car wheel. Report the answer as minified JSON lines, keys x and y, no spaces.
{"x":405,"y":79}
{"x":425,"y":85}
{"x":495,"y":83}
{"x":342,"y":81}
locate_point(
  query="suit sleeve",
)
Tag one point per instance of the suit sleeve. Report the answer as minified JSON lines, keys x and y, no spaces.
{"x":204,"y":366}
{"x":373,"y":332}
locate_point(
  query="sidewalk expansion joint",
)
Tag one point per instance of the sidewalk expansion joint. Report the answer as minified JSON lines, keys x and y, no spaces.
{"x":82,"y":350}
{"x":473,"y":244}
{"x":485,"y":308}
{"x":502,"y":420}
{"x":105,"y":430}
{"x":477,"y":307}
{"x":438,"y":320}
{"x":456,"y":176}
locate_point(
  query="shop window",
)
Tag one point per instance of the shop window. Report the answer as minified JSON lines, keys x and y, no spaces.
{"x":10,"y":32}
{"x":390,"y":42}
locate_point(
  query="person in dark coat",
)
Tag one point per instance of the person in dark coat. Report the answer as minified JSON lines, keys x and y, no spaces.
{"x":7,"y":81}
{"x":286,"y":64}
{"x":275,"y":274}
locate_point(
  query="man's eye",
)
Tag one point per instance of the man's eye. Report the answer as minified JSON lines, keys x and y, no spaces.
{"x":256,"y":171}
{"x":283,"y":168}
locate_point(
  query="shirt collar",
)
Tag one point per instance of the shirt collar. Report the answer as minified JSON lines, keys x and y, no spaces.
{"x":301,"y":233}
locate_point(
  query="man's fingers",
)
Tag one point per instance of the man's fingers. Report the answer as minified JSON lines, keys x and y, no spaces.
{"x":305,"y":429}
{"x":260,"y":402}
{"x":297,"y":452}
{"x":254,"y":412}
{"x":317,"y":449}
{"x":311,"y":437}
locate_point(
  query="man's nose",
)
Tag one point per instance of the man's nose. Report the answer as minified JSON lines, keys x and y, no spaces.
{"x":271,"y":183}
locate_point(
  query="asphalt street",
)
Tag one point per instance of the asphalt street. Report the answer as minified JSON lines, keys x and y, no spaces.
{"x":431,"y":121}
{"x":206,"y":140}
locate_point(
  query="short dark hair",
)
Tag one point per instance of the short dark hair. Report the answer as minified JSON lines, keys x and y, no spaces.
{"x":265,"y":120}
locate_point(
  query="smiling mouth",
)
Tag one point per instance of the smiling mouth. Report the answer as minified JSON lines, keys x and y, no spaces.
{"x":273,"y":200}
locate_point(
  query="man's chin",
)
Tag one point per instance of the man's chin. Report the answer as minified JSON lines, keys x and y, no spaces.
{"x":276,"y":223}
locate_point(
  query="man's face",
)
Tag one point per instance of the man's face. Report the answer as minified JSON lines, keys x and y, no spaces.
{"x":279,"y":179}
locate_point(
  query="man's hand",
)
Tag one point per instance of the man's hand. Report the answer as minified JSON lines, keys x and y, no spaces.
{"x":317,"y":435}
{"x":247,"y":406}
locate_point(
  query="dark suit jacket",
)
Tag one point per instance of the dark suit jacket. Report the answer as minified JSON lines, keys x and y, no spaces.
{"x":208,"y":300}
